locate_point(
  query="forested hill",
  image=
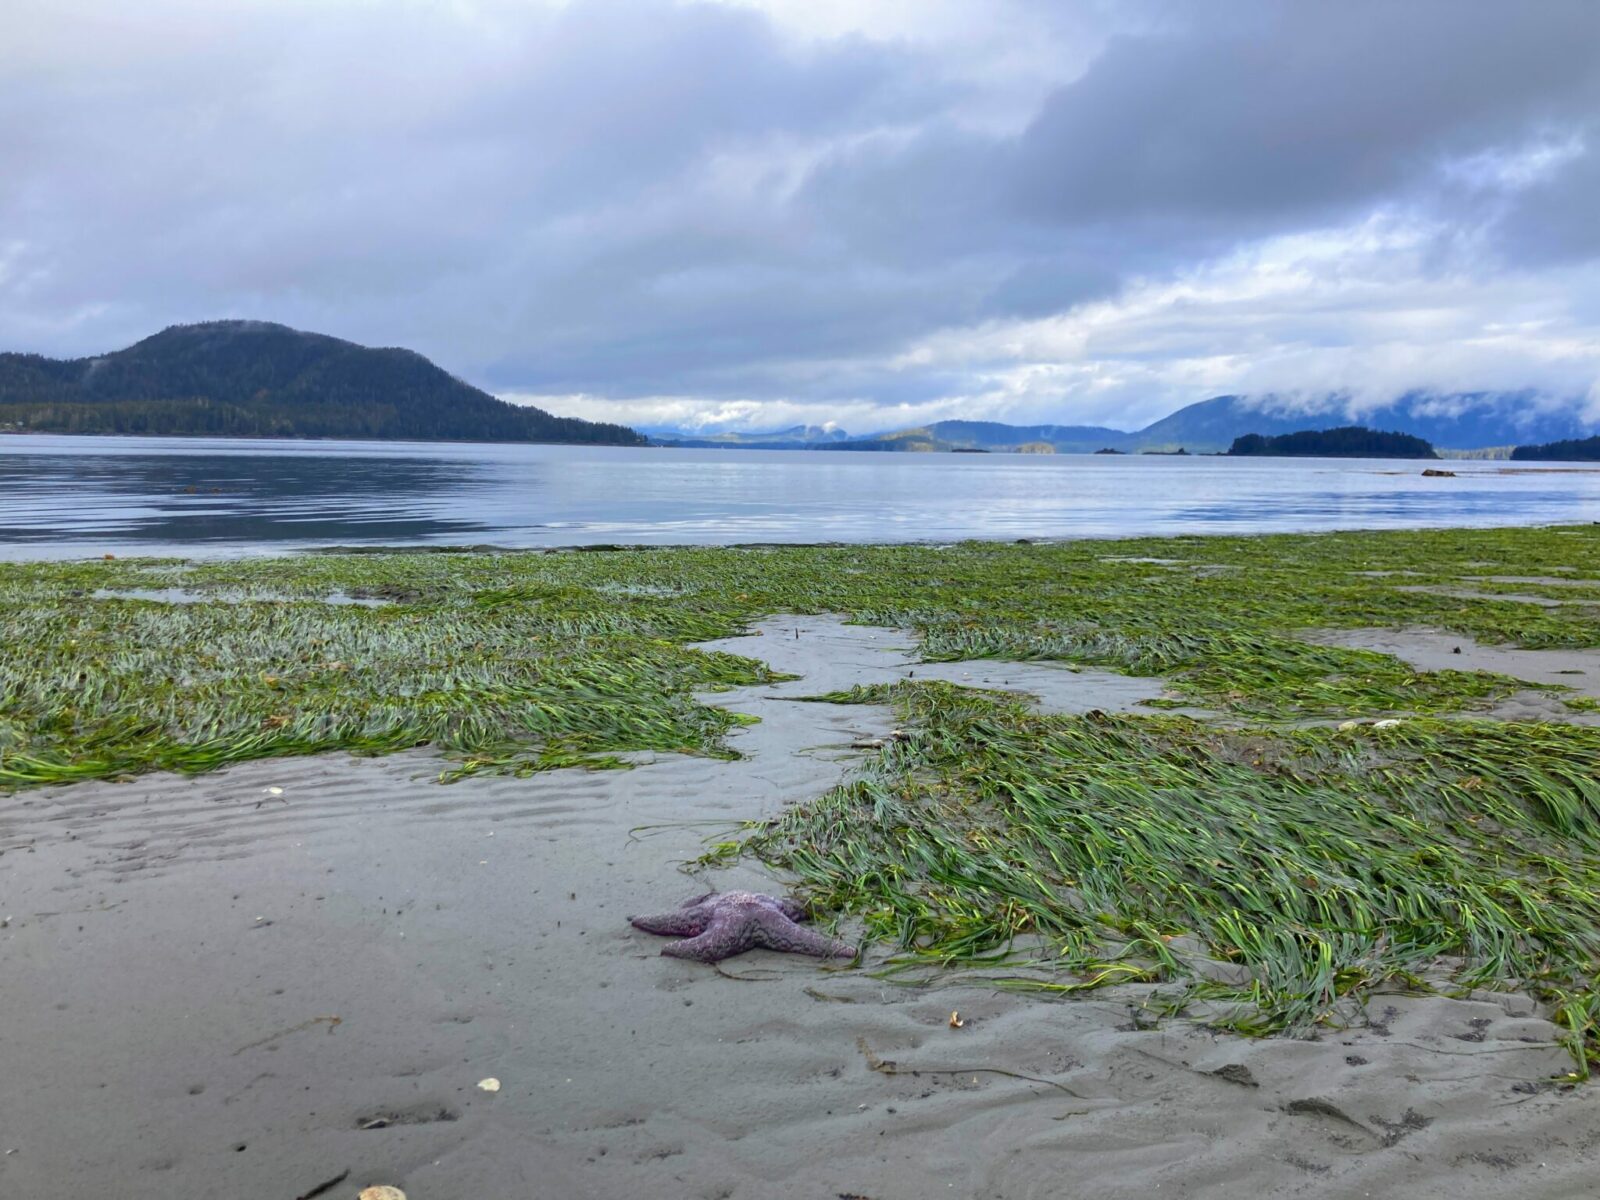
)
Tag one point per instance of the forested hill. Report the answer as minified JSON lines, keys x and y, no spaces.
{"x":254,"y":379}
{"x":1572,"y":450}
{"x":1347,"y":441}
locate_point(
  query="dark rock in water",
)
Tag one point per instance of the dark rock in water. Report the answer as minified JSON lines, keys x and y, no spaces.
{"x":1437,"y":474}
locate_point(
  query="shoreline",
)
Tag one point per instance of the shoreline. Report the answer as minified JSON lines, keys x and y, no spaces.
{"x":169,"y":1048}
{"x":248,"y":979}
{"x":229,"y":552}
{"x":1485,"y":454}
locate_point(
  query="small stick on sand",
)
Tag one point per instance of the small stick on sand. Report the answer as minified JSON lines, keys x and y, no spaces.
{"x":885,"y":1067}
{"x":326,"y":1185}
{"x":331,"y":1022}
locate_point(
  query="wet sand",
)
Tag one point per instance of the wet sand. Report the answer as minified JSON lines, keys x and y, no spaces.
{"x":1441,"y":650}
{"x":1460,"y":593}
{"x":214,"y":990}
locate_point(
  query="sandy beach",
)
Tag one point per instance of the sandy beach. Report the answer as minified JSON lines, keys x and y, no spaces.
{"x":764,"y":600}
{"x":250,"y":982}
{"x":1441,"y":650}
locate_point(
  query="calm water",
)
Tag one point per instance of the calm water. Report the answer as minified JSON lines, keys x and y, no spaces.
{"x":72,"y":497}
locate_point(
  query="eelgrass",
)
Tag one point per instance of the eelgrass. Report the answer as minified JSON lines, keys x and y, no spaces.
{"x":1067,"y":853}
{"x":1272,"y":876}
{"x":526,"y":661}
{"x":1059,"y":853}
{"x":118,"y":687}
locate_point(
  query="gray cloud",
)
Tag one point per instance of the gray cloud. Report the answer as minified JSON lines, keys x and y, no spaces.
{"x":1553,"y":218}
{"x":1304,"y":111}
{"x":637,"y":198}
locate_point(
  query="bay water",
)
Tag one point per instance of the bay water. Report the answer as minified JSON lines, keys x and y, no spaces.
{"x":69,"y":497}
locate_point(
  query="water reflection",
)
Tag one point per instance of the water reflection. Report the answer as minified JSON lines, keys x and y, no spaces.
{"x":235,"y":498}
{"x":67,"y":497}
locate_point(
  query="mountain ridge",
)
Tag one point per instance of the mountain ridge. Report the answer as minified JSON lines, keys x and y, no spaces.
{"x":1453,"y":421}
{"x":794,"y":435}
{"x":242,"y":378}
{"x":1461,"y":421}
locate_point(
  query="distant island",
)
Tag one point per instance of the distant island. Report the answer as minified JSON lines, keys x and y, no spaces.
{"x":1572,"y":450}
{"x":1347,"y":441}
{"x":256,"y":379}
{"x":1458,"y":424}
{"x":797,"y":437}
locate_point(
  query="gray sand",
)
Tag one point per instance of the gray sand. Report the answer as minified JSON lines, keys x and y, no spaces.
{"x":1459,"y":593}
{"x":1436,"y":650}
{"x":177,"y":947}
{"x":1547,"y":580}
{"x":178,"y":595}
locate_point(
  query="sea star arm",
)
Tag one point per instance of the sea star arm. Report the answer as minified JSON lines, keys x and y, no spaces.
{"x":794,"y":910}
{"x":678,"y":923}
{"x":729,"y":933}
{"x":785,"y":935}
{"x":688,"y":919}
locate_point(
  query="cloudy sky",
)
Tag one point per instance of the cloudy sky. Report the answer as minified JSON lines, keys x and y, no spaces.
{"x":874,"y":212}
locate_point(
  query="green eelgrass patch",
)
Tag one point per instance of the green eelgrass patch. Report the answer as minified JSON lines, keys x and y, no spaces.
{"x":524,"y":661}
{"x":1306,"y":865}
{"x":1066,"y":853}
{"x":110,"y":688}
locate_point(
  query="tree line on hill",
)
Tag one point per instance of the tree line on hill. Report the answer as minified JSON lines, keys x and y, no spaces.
{"x":1347,"y":441}
{"x":252,"y":379}
{"x":1570,"y":450}
{"x":1356,"y":441}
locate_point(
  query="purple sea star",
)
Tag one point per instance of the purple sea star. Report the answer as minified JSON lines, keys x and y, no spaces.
{"x":719,"y":925}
